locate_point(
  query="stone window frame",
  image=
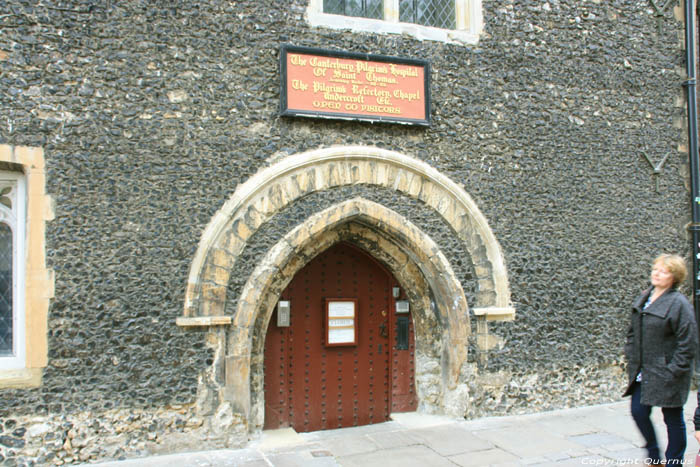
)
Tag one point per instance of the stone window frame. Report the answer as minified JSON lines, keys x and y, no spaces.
{"x":15,"y":218}
{"x":38,"y":280}
{"x":469,"y":20}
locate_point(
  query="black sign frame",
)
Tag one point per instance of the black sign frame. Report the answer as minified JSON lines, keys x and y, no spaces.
{"x":285,"y":111}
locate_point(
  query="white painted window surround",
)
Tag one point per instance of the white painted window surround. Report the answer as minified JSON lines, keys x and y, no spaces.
{"x":15,"y":218}
{"x":470,"y":22}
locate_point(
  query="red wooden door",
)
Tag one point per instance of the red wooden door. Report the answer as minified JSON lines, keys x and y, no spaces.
{"x":311,"y":386}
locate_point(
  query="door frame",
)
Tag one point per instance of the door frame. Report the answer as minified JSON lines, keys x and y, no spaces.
{"x":363,"y":330}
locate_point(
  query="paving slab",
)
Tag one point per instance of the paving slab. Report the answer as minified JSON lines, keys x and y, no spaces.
{"x":527,"y":440}
{"x":351,"y":431}
{"x":577,"y":452}
{"x":311,"y":446}
{"x":418,"y":420}
{"x":533,"y":461}
{"x":349,"y":445}
{"x":481,"y":458}
{"x":448,"y":440}
{"x":558,"y":456}
{"x":598,"y":439}
{"x":601,"y":451}
{"x":411,"y":456}
{"x":277,"y":439}
{"x":394,"y":439}
{"x":620,"y":446}
{"x":627,"y":456}
{"x":222,"y":457}
{"x":615,"y":422}
{"x":300,"y":460}
{"x":255,"y":463}
{"x":565,"y":426}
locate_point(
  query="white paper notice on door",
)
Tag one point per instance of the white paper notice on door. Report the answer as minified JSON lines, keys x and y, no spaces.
{"x":341,"y":309}
{"x":341,"y":322}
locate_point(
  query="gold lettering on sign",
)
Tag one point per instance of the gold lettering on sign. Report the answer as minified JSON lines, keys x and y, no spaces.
{"x":404,"y":71}
{"x":382,"y":80}
{"x":408,"y":96}
{"x":297,"y":60}
{"x":298,"y":84}
{"x":368,"y":91}
{"x":354,"y":86}
{"x":331,"y":63}
{"x":323,"y":87}
{"x":343,"y":75}
{"x":364,"y":66}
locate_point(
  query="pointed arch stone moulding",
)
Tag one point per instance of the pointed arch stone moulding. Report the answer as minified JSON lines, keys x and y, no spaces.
{"x":411,"y":255}
{"x":285,"y":180}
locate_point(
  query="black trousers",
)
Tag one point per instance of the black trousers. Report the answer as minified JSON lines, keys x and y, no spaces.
{"x":675,"y":427}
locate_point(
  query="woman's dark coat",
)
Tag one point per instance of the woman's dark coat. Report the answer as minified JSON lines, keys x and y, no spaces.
{"x":661,"y":343}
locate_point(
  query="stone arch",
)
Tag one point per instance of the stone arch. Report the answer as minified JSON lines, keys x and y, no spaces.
{"x":411,"y":256}
{"x":290,"y":178}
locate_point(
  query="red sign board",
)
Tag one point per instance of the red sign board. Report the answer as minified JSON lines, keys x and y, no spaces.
{"x":320,"y":83}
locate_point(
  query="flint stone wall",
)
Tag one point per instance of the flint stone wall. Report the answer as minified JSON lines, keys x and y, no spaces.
{"x":150,"y":113}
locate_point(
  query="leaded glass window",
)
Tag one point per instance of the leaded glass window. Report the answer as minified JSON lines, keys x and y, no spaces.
{"x":6,"y":289}
{"x":453,"y":21}
{"x":12,"y":232}
{"x":362,"y":8}
{"x":435,"y":13}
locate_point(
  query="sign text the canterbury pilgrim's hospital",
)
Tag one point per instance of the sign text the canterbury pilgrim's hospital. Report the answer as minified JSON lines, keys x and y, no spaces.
{"x":317,"y":83}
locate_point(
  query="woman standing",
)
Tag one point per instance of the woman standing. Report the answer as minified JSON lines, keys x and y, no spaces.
{"x":660,"y":348}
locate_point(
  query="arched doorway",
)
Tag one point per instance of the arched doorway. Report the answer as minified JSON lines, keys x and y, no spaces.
{"x":346,"y":357}
{"x":236,"y":332}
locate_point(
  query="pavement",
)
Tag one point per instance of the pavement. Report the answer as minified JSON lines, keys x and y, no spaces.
{"x":601,"y":435}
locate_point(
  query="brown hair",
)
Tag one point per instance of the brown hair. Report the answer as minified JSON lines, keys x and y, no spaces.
{"x":675,"y":265}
